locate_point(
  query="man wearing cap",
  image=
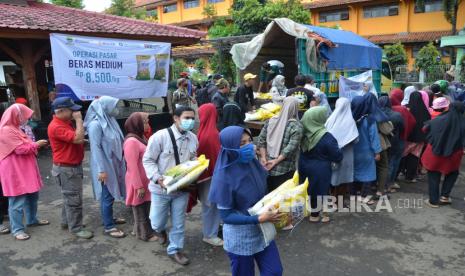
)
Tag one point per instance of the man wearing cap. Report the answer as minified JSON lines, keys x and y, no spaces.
{"x":221,"y":97}
{"x":67,"y":143}
{"x":244,"y":94}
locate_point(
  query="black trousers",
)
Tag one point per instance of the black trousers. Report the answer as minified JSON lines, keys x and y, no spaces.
{"x":411,"y":166}
{"x":274,"y":182}
{"x":434,"y":181}
{"x":3,"y":205}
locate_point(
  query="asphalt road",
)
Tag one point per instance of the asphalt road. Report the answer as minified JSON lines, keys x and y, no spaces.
{"x":412,"y":240}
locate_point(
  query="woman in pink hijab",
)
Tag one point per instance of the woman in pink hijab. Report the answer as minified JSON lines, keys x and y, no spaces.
{"x":426,"y":100}
{"x":19,"y":174}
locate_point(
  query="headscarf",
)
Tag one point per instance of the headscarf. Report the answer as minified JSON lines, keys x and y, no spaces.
{"x":209,"y":137}
{"x":232,"y":115}
{"x":134,"y":127}
{"x":397,"y":95}
{"x":323,"y":101}
{"x":100,"y":110}
{"x":395,"y":117}
{"x":313,"y":121}
{"x":236,"y":185}
{"x":341,"y":124}
{"x":149,"y":131}
{"x":425,"y":98}
{"x":367,"y":106}
{"x":407,"y":92}
{"x":277,"y":126}
{"x":421,"y":114}
{"x":279,"y":83}
{"x":11,"y":135}
{"x":446,"y":133}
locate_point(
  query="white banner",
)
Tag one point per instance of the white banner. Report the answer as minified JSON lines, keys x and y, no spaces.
{"x":353,"y":86}
{"x":88,"y":67}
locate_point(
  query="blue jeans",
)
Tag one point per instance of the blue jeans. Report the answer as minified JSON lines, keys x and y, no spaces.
{"x":210,"y":213}
{"x":106,"y":208}
{"x":268,"y":261}
{"x":394,"y":162}
{"x":161,"y":206}
{"x":22,"y":205}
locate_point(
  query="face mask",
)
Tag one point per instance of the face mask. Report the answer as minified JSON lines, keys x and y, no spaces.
{"x":246,"y":153}
{"x":187,"y":125}
{"x":114,"y":112}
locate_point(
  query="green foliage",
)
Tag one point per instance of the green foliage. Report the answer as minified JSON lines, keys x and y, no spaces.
{"x":179,"y":66}
{"x":252,"y":16}
{"x":69,"y":3}
{"x":427,"y":57}
{"x":450,"y":10}
{"x":222,"y":63}
{"x":396,"y":55}
{"x":221,"y":29}
{"x":198,"y":78}
{"x":209,"y":11}
{"x":200,"y":65}
{"x":125,"y":8}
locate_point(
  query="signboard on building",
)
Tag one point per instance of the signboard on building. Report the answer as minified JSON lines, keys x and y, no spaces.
{"x":88,"y":67}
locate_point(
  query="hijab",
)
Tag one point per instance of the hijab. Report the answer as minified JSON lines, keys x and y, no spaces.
{"x":323,"y":101}
{"x":277,"y":126}
{"x":149,"y":131}
{"x":408,"y":91}
{"x":232,"y":115}
{"x":209,"y":139}
{"x":134,"y":127}
{"x":102,"y":110}
{"x":395,"y":117}
{"x":313,"y":121}
{"x":447,"y":132}
{"x":367,"y":106}
{"x":426,"y":101}
{"x":418,"y":109}
{"x":397,"y":95}
{"x":279,"y":83}
{"x":11,"y":136}
{"x":235,"y":185}
{"x":341,"y":124}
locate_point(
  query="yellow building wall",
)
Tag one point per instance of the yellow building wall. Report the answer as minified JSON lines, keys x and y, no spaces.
{"x":191,"y":13}
{"x":182,"y":14}
{"x":170,"y":17}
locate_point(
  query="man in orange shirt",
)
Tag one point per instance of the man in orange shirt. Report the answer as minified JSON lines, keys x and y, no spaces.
{"x":67,"y":144}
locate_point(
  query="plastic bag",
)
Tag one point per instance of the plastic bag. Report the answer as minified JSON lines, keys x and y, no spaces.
{"x":272,"y":107}
{"x":260,"y":115}
{"x":184,"y":174}
{"x":263,"y":96}
{"x":143,"y":70}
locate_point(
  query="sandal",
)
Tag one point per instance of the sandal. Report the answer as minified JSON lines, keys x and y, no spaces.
{"x":40,"y":222}
{"x":119,"y":221}
{"x":114,"y":233}
{"x":325,"y":218}
{"x":153,"y":239}
{"x":288,"y":227}
{"x":445,"y":200}
{"x":22,"y":237}
{"x":4,"y":230}
{"x":314,"y":219}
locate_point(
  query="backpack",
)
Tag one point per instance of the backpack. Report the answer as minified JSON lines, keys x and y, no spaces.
{"x":202,"y":96}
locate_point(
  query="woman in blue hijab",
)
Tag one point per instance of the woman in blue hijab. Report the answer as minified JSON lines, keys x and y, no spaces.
{"x":239,"y":181}
{"x":106,"y":160}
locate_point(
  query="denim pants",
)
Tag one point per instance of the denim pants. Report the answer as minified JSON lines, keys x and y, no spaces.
{"x":175,"y":204}
{"x":434,"y":180}
{"x":394,"y":162}
{"x":19,"y":206}
{"x":268,"y":261}
{"x":210,"y":213}
{"x":106,"y":208}
{"x":70,"y":181}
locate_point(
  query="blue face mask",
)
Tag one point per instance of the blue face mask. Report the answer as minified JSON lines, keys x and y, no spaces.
{"x":187,"y":125}
{"x":246,"y":153}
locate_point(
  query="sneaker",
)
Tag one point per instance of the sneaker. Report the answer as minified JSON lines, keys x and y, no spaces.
{"x":84,"y":234}
{"x":395,"y":185}
{"x":214,"y":241}
{"x":428,"y":203}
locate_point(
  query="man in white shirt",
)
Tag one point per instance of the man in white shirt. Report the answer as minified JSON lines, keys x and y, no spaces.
{"x":160,"y":156}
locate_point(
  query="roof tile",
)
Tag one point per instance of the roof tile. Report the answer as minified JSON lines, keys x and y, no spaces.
{"x":408,"y":37}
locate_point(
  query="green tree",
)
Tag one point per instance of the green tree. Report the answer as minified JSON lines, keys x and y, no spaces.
{"x":396,"y":55}
{"x":222,"y":63}
{"x":179,"y":66}
{"x":69,"y":3}
{"x":209,"y":11}
{"x":200,"y":65}
{"x":221,"y":29}
{"x":427,"y":57}
{"x":125,"y":8}
{"x":451,"y":8}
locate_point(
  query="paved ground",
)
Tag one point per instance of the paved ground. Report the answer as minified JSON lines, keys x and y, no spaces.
{"x":409,"y":241}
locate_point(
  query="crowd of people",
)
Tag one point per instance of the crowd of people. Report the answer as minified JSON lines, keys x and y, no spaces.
{"x":359,"y":149}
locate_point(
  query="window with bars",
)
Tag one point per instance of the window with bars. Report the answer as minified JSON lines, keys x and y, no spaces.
{"x":215,"y":1}
{"x":152,"y":13}
{"x":429,"y":6}
{"x":334,"y":16}
{"x":170,"y":8}
{"x":191,"y":4}
{"x":380,"y":11}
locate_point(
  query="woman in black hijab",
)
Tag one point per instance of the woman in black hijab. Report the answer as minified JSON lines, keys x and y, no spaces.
{"x":416,"y":140}
{"x":443,"y":154}
{"x":232,"y":116}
